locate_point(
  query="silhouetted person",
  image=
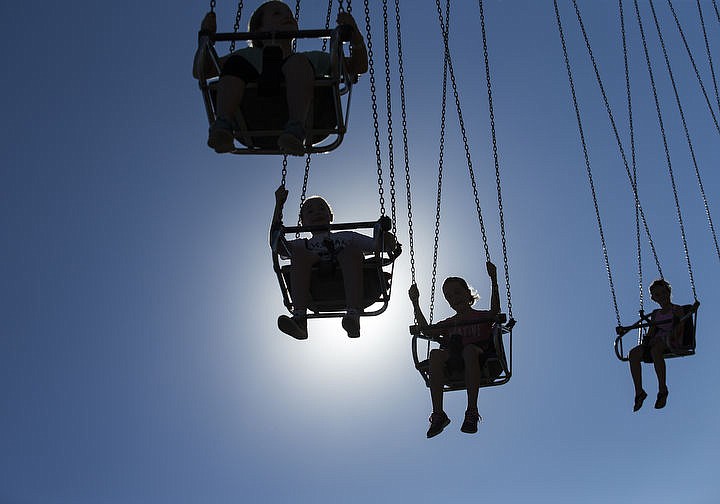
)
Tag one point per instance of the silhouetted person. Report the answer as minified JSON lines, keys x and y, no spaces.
{"x":462,"y":346}
{"x":297,"y":70}
{"x":662,"y":336}
{"x":347,"y":247}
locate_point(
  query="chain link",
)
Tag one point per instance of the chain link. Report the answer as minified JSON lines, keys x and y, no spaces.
{"x":303,"y":193}
{"x":212,"y":5}
{"x":327,"y":22}
{"x":709,"y":55}
{"x":667,"y":149}
{"x":496,"y":160}
{"x":587,"y":162}
{"x":236,"y":26}
{"x":638,"y":241}
{"x":284,"y":171}
{"x":388,"y":101}
{"x":373,"y":95}
{"x":406,"y":150}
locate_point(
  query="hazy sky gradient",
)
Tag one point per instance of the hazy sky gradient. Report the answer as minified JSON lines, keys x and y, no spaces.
{"x":140,"y":360}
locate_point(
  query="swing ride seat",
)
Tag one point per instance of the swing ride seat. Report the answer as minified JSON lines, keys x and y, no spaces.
{"x":685,"y":324}
{"x":495,"y":370}
{"x":261,"y":118}
{"x":326,"y":279}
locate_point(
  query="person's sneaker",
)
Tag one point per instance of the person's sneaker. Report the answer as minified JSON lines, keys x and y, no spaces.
{"x":292,"y":140}
{"x":293,"y":326}
{"x":351,"y":324}
{"x":438,"y":421}
{"x":661,"y":399}
{"x":469,"y":426}
{"x":220,"y":136}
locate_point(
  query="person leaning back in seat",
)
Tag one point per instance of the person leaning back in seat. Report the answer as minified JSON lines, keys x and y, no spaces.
{"x":298,"y":70}
{"x":348,"y":247}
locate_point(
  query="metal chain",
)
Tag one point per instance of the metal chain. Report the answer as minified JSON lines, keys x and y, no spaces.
{"x":441,"y":158}
{"x":692,"y":60}
{"x":327,"y":22}
{"x":388,"y":102}
{"x":212,"y":5}
{"x":717,"y":13}
{"x":284,"y":170}
{"x":303,"y":194}
{"x":236,"y":26}
{"x":297,"y":20}
{"x":631,"y":123}
{"x":613,"y":124}
{"x":406,"y":150}
{"x":445,"y":34}
{"x":707,"y":50}
{"x":667,"y":151}
{"x":588,"y":169}
{"x":373,"y":95}
{"x":496,"y":158}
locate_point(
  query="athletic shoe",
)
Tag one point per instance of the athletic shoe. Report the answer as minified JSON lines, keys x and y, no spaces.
{"x":438,"y":421}
{"x":293,"y":326}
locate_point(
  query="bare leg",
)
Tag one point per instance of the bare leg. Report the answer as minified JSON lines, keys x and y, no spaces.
{"x":657,"y":351}
{"x":301,"y":268}
{"x":473,"y":374}
{"x":300,"y":83}
{"x":351,"y":262}
{"x":438,"y":359}
{"x":231,"y":90}
{"x":635,"y":359}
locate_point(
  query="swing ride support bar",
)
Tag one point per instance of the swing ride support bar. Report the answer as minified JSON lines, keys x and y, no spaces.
{"x":344,"y":33}
{"x":345,"y":226}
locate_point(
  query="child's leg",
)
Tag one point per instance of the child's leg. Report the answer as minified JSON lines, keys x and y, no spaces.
{"x":438,"y":360}
{"x":351,"y":262}
{"x":657,"y":351}
{"x":473,"y":373}
{"x":230,"y":92}
{"x":300,"y":270}
{"x":635,"y":358}
{"x":300,"y":83}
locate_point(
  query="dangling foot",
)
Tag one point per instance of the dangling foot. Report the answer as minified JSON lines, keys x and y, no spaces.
{"x":639,"y":399}
{"x":295,"y":326}
{"x":438,"y":421}
{"x":220,"y":137}
{"x":472,"y":418}
{"x":351,"y":324}
{"x":661,"y":399}
{"x":292,"y":140}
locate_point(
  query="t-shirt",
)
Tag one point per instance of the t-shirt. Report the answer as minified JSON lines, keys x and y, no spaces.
{"x":479,"y":333}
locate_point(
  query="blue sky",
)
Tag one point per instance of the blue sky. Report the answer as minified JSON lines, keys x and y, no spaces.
{"x":140,"y":360}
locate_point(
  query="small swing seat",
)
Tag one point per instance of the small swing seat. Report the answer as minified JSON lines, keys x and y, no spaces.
{"x":685,"y":326}
{"x":261,"y":118}
{"x":326,"y":279}
{"x":495,"y":370}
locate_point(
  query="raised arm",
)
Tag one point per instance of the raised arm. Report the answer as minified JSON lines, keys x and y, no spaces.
{"x":201,"y":63}
{"x":281,"y":195}
{"x":357,"y":62}
{"x":414,"y":295}
{"x":495,"y":295}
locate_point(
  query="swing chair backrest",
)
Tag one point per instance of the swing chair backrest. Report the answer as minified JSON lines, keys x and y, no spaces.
{"x":685,"y":326}
{"x":263,"y":113}
{"x":495,"y":371}
{"x":326,"y":281}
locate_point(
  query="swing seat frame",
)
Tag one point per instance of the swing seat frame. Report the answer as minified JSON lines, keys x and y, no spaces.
{"x":326,"y":280}
{"x":687,"y":324}
{"x":260,"y":120}
{"x":497,"y":369}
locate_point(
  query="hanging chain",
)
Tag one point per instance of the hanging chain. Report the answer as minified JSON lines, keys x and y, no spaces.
{"x":692,"y":60}
{"x":667,"y":150}
{"x":707,"y":50}
{"x":445,"y":34}
{"x":388,"y":100}
{"x":236,"y":26}
{"x":284,"y":171}
{"x":631,"y":123}
{"x":717,"y":13}
{"x":496,"y":158}
{"x":613,"y":124}
{"x":373,"y":95}
{"x":441,"y":158}
{"x":406,"y":150}
{"x":303,"y":193}
{"x":587,"y":162}
{"x":212,"y":5}
{"x":327,"y":23}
